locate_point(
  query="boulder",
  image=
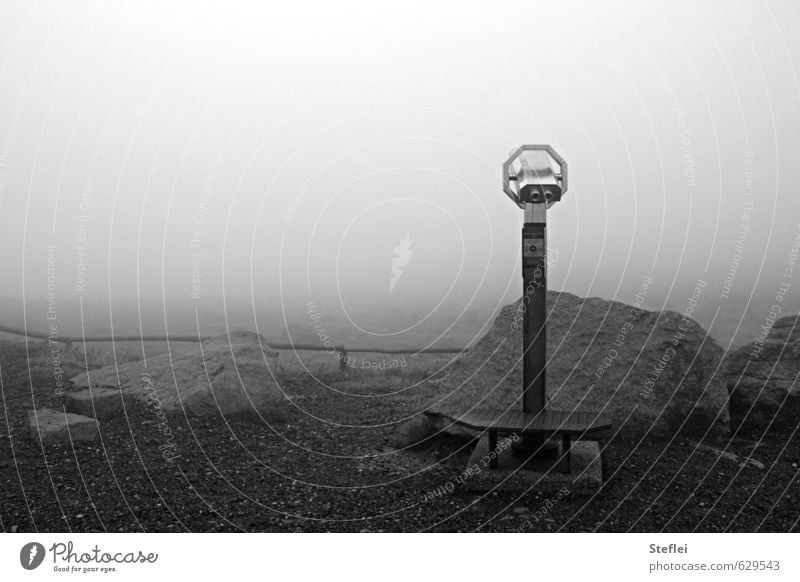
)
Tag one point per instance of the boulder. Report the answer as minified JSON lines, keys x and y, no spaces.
{"x":762,"y":378}
{"x":784,"y":329}
{"x":649,"y":371}
{"x":55,"y":426}
{"x":97,"y":402}
{"x":230,"y":374}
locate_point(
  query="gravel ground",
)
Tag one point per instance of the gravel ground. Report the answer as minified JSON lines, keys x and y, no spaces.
{"x":338,"y":472}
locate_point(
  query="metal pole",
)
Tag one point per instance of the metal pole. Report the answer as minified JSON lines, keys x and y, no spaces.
{"x":534,"y":277}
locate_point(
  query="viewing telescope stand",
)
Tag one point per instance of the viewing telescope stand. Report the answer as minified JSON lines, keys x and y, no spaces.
{"x":534,"y":177}
{"x":534,"y":329}
{"x":535,"y":424}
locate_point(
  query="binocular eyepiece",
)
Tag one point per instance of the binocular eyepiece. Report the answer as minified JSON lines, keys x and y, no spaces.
{"x":535,"y":174}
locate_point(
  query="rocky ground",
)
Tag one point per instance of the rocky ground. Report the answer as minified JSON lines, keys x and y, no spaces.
{"x":338,"y":472}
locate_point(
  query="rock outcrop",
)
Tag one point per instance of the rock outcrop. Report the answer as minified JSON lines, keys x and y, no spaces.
{"x":97,"y":402}
{"x":650,"y":371}
{"x":229,"y":374}
{"x":763,"y":378}
{"x":55,"y":426}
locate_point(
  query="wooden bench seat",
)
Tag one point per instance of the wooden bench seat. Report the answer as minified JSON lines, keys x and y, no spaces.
{"x":548,"y":422}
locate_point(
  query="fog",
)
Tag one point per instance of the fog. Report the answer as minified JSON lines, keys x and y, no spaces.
{"x":204,"y":154}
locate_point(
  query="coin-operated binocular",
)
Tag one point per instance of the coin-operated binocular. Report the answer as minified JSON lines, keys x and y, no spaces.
{"x":535,"y":178}
{"x":534,"y":174}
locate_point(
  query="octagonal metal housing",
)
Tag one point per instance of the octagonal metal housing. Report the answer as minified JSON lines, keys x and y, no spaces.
{"x":534,"y":174}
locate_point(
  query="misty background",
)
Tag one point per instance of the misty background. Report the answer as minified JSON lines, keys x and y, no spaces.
{"x":196,"y":166}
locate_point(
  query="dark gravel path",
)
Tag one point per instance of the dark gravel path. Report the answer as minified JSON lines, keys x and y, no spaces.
{"x":302,"y":474}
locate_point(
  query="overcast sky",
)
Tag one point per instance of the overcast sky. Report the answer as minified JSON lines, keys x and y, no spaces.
{"x":286,"y":151}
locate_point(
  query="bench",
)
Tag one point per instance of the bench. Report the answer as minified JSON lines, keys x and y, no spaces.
{"x":546,"y":422}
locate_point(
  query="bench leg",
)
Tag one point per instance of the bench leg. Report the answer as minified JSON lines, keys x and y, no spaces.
{"x":492,"y":449}
{"x":566,"y":445}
